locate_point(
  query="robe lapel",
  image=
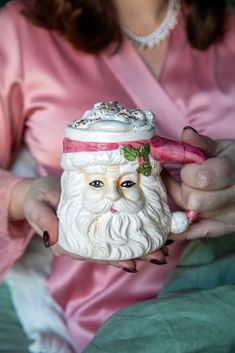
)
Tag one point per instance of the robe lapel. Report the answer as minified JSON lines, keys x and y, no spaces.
{"x":143,"y":88}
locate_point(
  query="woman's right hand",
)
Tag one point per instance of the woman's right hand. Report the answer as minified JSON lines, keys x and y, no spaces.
{"x":207,"y":188}
{"x":36,"y":200}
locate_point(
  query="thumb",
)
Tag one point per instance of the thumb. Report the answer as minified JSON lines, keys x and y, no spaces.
{"x":217,"y":171}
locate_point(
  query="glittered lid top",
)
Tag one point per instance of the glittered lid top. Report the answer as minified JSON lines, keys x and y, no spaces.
{"x":110,"y":122}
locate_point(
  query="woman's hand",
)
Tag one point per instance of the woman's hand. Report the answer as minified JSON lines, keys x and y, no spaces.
{"x":208,"y":188}
{"x":36,"y":200}
{"x":157,"y":257}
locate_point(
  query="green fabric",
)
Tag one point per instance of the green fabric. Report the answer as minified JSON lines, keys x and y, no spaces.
{"x":205,"y":264}
{"x":231,"y":4}
{"x":3,"y":2}
{"x":12,"y":337}
{"x":195,"y":312}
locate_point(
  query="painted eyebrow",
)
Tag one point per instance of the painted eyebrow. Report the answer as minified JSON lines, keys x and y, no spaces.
{"x":95,"y":170}
{"x":127,"y":169}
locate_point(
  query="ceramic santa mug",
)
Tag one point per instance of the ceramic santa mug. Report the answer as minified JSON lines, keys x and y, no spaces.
{"x":113,"y":203}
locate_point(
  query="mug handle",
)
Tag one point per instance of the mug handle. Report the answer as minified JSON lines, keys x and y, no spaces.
{"x":166,"y":150}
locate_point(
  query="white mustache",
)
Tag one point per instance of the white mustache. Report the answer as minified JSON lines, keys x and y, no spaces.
{"x":122,"y":205}
{"x":98,"y":207}
{"x":128,"y":206}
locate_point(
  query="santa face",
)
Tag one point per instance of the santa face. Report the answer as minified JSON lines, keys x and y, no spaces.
{"x":112,"y":212}
{"x":116,"y":191}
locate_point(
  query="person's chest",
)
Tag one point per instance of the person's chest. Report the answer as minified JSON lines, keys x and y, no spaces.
{"x":62,"y":83}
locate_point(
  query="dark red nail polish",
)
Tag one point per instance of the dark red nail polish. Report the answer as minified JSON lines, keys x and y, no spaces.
{"x":46,"y":238}
{"x":190,"y":127}
{"x":158,"y":262}
{"x":130,"y":270}
{"x":169,"y":242}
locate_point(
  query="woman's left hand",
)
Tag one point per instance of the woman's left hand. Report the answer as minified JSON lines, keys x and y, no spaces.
{"x":208,"y":188}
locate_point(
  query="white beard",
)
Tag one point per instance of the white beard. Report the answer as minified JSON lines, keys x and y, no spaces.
{"x":92,"y":231}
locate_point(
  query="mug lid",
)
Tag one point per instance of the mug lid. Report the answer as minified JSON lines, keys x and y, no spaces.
{"x":110,"y":122}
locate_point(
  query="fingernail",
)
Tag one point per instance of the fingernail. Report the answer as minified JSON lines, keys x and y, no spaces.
{"x":46,"y":238}
{"x":130,"y":270}
{"x":189,"y":128}
{"x":169,"y":242}
{"x":158,"y":262}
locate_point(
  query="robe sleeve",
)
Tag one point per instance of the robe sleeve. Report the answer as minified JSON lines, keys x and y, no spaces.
{"x":13,"y":236}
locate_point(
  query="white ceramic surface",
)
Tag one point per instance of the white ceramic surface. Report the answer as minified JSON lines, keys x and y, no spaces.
{"x":113,"y":204}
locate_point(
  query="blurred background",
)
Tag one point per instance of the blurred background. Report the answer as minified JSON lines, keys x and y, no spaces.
{"x":231,"y":3}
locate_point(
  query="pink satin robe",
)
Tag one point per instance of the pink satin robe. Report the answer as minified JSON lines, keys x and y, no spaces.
{"x":45,"y":83}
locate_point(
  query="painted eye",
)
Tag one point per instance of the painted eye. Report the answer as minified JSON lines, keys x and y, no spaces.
{"x":96,"y":184}
{"x":127,"y":184}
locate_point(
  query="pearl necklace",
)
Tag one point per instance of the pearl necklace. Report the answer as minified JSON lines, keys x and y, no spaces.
{"x":161,"y":33}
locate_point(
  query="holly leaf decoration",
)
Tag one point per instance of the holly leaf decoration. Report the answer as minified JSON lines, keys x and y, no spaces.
{"x":144,"y":151}
{"x":130,"y":153}
{"x":145,"y":169}
{"x":142,"y":155}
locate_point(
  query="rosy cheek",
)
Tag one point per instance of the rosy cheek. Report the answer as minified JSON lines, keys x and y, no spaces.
{"x":93,"y":195}
{"x":132,"y":194}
